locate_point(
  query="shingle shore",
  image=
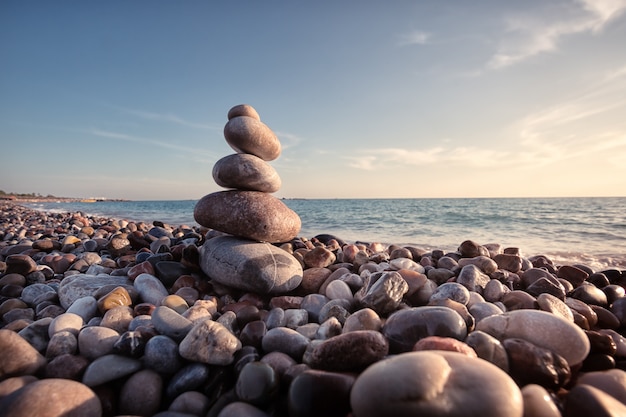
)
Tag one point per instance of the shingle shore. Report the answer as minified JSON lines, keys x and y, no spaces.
{"x":109,"y":317}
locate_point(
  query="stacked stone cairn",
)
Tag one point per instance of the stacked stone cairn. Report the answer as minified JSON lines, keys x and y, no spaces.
{"x":252,"y":219}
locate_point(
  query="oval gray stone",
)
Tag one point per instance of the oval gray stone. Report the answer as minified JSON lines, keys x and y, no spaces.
{"x":170,"y":323}
{"x":250,"y":214}
{"x":541,"y":328}
{"x":86,"y":307}
{"x":108,"y":368}
{"x":246,"y":172}
{"x":150,"y":288}
{"x":251,"y":266}
{"x":248,"y":135}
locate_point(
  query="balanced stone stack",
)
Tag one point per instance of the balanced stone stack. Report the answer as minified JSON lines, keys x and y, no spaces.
{"x":252,"y":218}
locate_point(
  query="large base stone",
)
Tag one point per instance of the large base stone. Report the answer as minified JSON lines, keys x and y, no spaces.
{"x":252,"y":266}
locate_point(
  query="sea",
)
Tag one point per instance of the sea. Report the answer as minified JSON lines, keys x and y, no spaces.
{"x":590,"y":231}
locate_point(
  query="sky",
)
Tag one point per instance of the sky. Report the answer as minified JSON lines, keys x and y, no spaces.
{"x":369,"y":99}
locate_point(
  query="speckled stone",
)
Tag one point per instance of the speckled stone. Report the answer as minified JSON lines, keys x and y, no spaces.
{"x":62,"y":342}
{"x":352,"y":351}
{"x":435,"y":383}
{"x":210,"y":342}
{"x":248,"y":214}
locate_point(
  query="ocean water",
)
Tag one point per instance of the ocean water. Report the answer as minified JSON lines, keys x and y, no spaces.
{"x":569,"y":230}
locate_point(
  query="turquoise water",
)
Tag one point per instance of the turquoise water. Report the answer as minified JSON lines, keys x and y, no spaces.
{"x":588,"y":230}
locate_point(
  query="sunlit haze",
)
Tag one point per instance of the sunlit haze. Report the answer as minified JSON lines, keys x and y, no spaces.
{"x":128,"y":99}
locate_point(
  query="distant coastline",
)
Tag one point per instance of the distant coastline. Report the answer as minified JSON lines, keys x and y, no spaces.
{"x":52,"y":199}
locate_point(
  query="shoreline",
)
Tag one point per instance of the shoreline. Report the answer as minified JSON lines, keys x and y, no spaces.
{"x":123,"y":313}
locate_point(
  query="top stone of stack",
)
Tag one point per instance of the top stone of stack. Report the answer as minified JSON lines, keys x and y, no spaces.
{"x":246,"y":133}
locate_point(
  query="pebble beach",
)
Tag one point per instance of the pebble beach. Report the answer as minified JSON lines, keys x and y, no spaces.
{"x":241,"y":316}
{"x":108,"y":317}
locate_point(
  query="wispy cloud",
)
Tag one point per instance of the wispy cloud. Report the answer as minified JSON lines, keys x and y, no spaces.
{"x":532,"y":34}
{"x":168,"y":117}
{"x":416,"y":37}
{"x":192,"y":152}
{"x":587,"y":122}
{"x":391,"y":158}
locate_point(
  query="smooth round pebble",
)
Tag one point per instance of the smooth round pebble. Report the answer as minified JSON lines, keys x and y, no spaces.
{"x":41,"y":398}
{"x":435,"y":383}
{"x":542,"y":329}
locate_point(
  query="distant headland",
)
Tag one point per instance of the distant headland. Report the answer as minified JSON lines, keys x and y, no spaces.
{"x":37,"y":198}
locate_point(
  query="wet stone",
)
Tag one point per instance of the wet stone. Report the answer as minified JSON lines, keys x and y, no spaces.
{"x":530,"y":364}
{"x":538,"y":402}
{"x":405,"y":327}
{"x":590,"y":294}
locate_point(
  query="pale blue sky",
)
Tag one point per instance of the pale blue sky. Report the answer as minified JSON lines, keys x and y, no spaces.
{"x":128,"y":99}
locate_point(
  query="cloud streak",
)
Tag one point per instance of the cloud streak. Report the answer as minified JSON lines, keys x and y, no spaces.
{"x":588,"y":124}
{"x":416,"y":37}
{"x":192,"y":152}
{"x":168,"y":117}
{"x":531,"y":35}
